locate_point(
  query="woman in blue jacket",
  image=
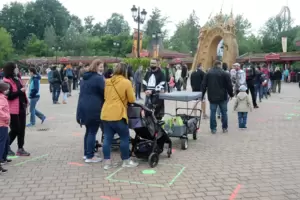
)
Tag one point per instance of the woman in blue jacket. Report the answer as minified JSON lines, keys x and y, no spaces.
{"x":89,"y":107}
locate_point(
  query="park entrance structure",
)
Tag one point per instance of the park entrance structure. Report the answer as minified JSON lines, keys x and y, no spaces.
{"x":210,"y":36}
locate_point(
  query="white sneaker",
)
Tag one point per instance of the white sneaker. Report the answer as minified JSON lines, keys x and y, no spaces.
{"x":107,"y":164}
{"x":84,"y":157}
{"x":129,"y":163}
{"x":93,"y":160}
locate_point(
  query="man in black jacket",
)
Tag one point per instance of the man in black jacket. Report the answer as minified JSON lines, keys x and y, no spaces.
{"x":184,"y":75}
{"x":250,"y":80}
{"x":56,"y":83}
{"x":219,"y":86}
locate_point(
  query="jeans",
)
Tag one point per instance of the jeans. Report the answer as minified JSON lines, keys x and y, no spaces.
{"x":4,"y":143}
{"x":265,"y":91}
{"x":50,"y":87}
{"x":90,"y":140}
{"x":258,"y":91}
{"x":219,"y":111}
{"x":110,"y":128}
{"x":138,"y":90}
{"x":70,"y":82}
{"x":34,"y":112}
{"x":55,"y":92}
{"x":224,"y":117}
{"x":242,"y":117}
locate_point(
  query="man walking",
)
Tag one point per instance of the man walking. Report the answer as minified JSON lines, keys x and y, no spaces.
{"x":240,"y":77}
{"x":56,"y":83}
{"x":218,"y":84}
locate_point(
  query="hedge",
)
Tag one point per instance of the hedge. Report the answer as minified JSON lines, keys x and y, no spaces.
{"x":145,"y":62}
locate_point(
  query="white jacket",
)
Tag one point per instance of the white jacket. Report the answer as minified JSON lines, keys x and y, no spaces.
{"x":242,"y":103}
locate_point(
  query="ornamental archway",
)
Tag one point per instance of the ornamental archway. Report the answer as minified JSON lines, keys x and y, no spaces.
{"x":210,"y":37}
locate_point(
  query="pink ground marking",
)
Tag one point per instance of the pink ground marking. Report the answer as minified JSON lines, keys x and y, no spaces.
{"x":235,"y":192}
{"x":75,"y":163}
{"x":109,"y":198}
{"x":173,"y":150}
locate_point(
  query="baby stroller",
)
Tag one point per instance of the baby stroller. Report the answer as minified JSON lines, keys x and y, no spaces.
{"x":150,"y":137}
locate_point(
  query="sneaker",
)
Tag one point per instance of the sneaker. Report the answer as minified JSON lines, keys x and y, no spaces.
{"x":64,"y":102}
{"x":5,"y":161}
{"x":30,"y":125}
{"x":213,"y":131}
{"x":43,"y":120}
{"x":205,"y":116}
{"x":129,"y":163}
{"x":225,"y":130}
{"x":84,"y":157}
{"x":93,"y":160}
{"x":107,"y":164}
{"x":2,"y":170}
{"x":11,"y":153}
{"x":22,"y":152}
{"x":256,"y":106}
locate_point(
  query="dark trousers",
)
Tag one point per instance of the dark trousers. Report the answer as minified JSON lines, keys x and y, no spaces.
{"x":4,"y":140}
{"x":17,"y":128}
{"x":252,"y":92}
{"x":50,"y":87}
{"x":55,"y":92}
{"x":138,"y":90}
{"x":90,"y":139}
{"x":213,"y":110}
{"x":75,"y":84}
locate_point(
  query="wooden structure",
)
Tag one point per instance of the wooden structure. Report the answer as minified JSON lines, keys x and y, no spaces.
{"x":209,"y":38}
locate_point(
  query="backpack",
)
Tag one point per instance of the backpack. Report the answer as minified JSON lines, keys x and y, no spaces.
{"x":69,"y":73}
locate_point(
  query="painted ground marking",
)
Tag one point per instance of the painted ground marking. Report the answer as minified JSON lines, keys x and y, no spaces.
{"x":12,"y":157}
{"x":30,"y":160}
{"x":181,"y":167}
{"x":76,"y":164}
{"x":109,"y":198}
{"x":148,"y":171}
{"x":235,"y":192}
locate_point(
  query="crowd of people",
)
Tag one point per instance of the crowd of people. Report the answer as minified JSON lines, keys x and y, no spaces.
{"x":110,"y":90}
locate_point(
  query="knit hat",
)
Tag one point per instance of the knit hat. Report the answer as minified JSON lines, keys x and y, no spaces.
{"x":3,"y":86}
{"x":243,"y":88}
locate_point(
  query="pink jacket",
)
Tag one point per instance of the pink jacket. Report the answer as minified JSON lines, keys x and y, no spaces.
{"x":4,"y":111}
{"x":14,"y":105}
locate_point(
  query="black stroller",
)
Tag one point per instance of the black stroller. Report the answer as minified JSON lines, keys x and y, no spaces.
{"x":150,"y":136}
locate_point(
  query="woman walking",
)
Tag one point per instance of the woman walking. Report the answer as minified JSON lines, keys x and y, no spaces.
{"x":118,"y":93}
{"x":17,"y":102}
{"x":89,"y":107}
{"x":34,"y":96}
{"x":277,"y":80}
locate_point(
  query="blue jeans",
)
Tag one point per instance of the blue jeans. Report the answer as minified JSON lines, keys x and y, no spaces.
{"x":4,"y":143}
{"x":242,"y":117}
{"x":110,"y":128}
{"x":258,"y":91}
{"x":90,"y":139}
{"x":55,"y":92}
{"x":265,"y":91}
{"x":224,"y":117}
{"x":34,"y":112}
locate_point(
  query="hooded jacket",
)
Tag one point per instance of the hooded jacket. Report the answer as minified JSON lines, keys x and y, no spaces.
{"x":91,"y":98}
{"x":196,"y":80}
{"x":240,"y":78}
{"x":34,"y":86}
{"x":118,"y":93}
{"x":242,"y":103}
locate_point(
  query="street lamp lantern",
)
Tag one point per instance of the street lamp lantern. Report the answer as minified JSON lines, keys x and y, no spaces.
{"x":139,"y":17}
{"x":134,"y":12}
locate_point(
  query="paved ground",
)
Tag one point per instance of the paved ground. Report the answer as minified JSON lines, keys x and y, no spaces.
{"x":258,"y":164}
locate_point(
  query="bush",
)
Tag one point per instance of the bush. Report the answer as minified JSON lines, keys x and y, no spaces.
{"x":145,"y":62}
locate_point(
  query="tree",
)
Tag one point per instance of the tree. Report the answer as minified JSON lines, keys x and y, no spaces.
{"x":88,"y":24}
{"x":6,"y":48}
{"x":156,"y":23}
{"x":98,"y":30}
{"x":50,"y":36}
{"x":116,"y":24}
{"x":185,"y":38}
{"x":36,"y":47}
{"x":76,"y":22}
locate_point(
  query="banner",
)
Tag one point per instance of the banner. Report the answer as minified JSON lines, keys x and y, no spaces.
{"x":135,"y":39}
{"x":284,"y":44}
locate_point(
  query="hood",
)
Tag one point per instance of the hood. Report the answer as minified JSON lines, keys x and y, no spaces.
{"x":116,"y":79}
{"x":242,"y":95}
{"x":88,"y":75}
{"x":38,"y":77}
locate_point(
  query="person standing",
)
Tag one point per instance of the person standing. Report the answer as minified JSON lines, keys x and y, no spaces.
{"x":50,"y":75}
{"x":240,"y":77}
{"x":258,"y":80}
{"x":277,"y":80}
{"x":17,"y":102}
{"x":75,"y":78}
{"x":178,"y":78}
{"x":250,"y":78}
{"x":91,"y":91}
{"x":68,"y":72}
{"x":34,"y":96}
{"x":184,"y":75}
{"x":65,"y":90}
{"x":138,"y":79}
{"x":56,"y":85}
{"x":218,"y":85}
{"x":197,"y":78}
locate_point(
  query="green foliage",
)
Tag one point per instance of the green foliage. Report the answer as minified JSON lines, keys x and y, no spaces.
{"x":156,"y":23}
{"x":36,"y":47}
{"x":145,"y":62}
{"x":6,"y":48}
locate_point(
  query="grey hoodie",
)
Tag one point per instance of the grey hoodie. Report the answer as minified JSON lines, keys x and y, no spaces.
{"x":242,"y":103}
{"x":240,"y":78}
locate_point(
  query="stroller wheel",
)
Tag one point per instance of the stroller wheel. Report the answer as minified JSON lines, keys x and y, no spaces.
{"x":153,"y":160}
{"x":184,"y":143}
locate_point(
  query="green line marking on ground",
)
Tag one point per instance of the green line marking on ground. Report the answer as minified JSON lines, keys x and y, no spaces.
{"x":175,"y":178}
{"x":30,"y":160}
{"x":12,"y":157}
{"x":148,"y":171}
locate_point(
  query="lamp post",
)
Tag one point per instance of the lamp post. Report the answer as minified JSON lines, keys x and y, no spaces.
{"x":117,"y":46}
{"x":156,"y":36}
{"x":139,"y":17}
{"x":56,"y":49}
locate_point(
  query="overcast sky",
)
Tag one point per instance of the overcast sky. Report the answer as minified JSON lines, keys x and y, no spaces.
{"x":256,"y":11}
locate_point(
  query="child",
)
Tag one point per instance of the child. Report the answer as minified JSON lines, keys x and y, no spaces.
{"x":4,"y":123}
{"x":65,"y":90}
{"x":242,"y":105}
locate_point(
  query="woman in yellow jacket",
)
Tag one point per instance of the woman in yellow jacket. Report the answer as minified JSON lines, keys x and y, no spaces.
{"x":118,"y":93}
